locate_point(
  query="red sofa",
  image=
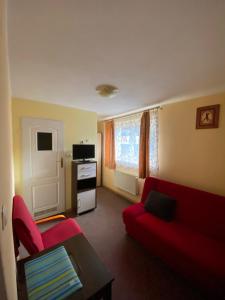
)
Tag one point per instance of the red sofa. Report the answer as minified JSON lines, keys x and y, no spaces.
{"x":194,"y":242}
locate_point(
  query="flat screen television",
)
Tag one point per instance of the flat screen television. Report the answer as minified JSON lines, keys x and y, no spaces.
{"x":83,"y":151}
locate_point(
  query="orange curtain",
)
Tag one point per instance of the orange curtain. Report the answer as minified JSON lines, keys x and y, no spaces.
{"x":144,"y":145}
{"x":109,"y":145}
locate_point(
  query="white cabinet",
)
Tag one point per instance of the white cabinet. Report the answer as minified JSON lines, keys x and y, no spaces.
{"x":86,"y":201}
{"x":83,"y":183}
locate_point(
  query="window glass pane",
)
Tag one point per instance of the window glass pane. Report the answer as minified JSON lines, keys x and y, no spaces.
{"x":127,"y":133}
{"x":44,"y":141}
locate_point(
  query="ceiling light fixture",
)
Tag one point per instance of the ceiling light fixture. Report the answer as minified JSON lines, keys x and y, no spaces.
{"x":107,"y":90}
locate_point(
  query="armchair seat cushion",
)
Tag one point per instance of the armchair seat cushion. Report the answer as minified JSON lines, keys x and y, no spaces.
{"x":60,"y":232}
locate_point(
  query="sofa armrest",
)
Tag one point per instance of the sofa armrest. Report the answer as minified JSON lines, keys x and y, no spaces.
{"x":133,"y":211}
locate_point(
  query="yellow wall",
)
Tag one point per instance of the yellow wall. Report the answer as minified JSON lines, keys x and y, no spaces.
{"x":8,"y":287}
{"x":78,"y":125}
{"x":189,"y":156}
{"x":194,"y":157}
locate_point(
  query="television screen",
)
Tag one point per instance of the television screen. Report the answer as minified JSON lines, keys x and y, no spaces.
{"x":83,"y":151}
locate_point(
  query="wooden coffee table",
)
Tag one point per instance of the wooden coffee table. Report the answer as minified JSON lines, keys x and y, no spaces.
{"x":96,"y":279}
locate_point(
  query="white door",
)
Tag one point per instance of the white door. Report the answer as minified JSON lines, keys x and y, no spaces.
{"x":43,"y":166}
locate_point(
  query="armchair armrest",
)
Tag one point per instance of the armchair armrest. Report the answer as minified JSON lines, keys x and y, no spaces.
{"x":52,"y":218}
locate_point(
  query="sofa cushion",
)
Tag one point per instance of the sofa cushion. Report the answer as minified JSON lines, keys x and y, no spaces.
{"x":160,"y":205}
{"x":183,"y":245}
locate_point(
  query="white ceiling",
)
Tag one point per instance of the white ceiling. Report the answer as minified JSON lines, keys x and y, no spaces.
{"x":152,"y":50}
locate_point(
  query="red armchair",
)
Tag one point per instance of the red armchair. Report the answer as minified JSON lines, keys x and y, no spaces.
{"x":26,"y":231}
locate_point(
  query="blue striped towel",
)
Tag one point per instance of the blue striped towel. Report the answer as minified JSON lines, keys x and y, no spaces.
{"x":51,"y":276}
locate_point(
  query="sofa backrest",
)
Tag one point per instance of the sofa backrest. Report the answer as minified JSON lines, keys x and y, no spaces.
{"x":203,"y":211}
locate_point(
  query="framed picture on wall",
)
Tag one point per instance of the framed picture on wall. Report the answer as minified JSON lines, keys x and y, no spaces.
{"x":207,"y":117}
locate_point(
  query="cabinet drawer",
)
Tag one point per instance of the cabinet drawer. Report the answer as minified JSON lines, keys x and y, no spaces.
{"x":86,"y":171}
{"x":86,"y":201}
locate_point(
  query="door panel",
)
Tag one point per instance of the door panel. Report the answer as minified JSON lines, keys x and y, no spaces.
{"x":39,"y":192}
{"x":43,"y":173}
{"x":44,"y":165}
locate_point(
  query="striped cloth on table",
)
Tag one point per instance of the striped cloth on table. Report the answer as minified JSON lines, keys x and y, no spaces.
{"x":51,"y":276}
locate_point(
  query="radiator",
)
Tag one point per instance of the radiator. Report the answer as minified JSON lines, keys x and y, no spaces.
{"x":126,"y":182}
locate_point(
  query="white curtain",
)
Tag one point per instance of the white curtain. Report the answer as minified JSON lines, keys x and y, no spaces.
{"x":127,"y":133}
{"x":153,"y":140}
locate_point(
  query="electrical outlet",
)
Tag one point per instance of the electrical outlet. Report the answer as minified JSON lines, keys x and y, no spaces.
{"x":4,"y":217}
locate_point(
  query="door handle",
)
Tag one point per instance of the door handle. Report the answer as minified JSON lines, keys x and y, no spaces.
{"x":61,"y":162}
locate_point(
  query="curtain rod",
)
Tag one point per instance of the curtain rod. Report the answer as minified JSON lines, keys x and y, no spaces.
{"x":131,"y":113}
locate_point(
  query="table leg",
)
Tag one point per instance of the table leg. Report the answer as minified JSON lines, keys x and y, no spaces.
{"x":108,"y":292}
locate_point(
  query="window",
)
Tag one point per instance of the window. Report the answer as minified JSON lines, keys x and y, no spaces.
{"x":44,"y":141}
{"x":127,"y":136}
{"x":127,"y":133}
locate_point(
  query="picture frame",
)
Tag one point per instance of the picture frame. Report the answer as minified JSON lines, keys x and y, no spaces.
{"x":207,"y":117}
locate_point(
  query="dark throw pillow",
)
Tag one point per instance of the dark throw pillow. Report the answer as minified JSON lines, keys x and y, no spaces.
{"x":160,"y":205}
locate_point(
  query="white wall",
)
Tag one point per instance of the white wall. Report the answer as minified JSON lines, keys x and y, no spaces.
{"x":7,"y":257}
